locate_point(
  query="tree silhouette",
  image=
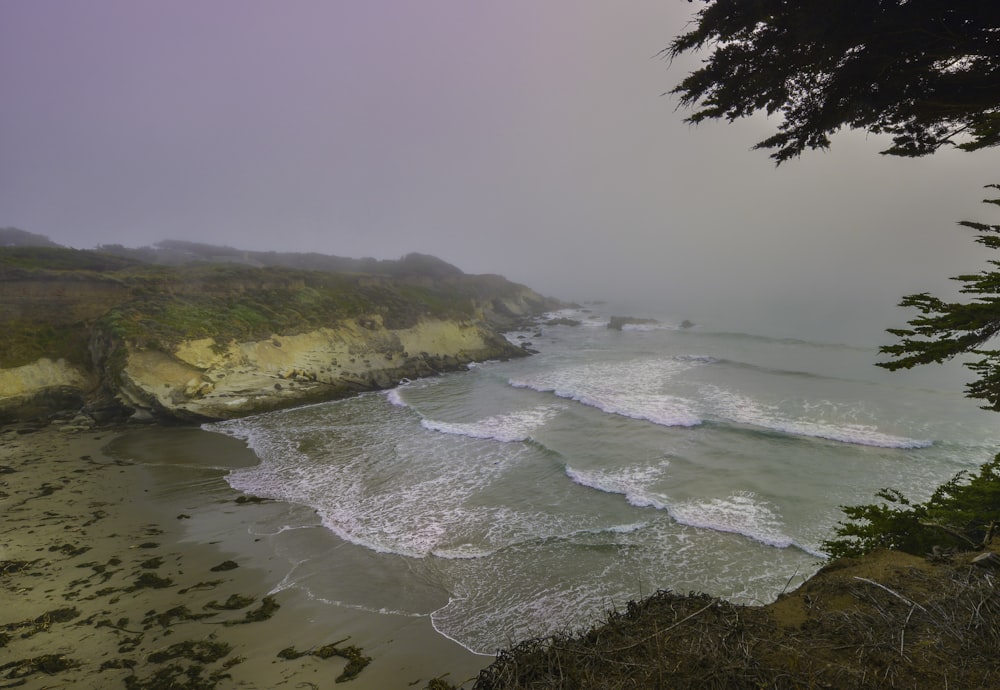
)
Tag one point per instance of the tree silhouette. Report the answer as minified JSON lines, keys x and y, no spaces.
{"x":926,"y":72}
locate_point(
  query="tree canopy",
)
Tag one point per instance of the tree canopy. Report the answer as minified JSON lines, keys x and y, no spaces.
{"x":946,"y":329}
{"x":926,"y":72}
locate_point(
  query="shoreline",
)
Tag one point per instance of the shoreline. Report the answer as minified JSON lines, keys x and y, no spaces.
{"x":130,"y":561}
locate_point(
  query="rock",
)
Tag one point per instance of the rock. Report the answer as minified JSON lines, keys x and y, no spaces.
{"x":177,"y":388}
{"x":132,"y":367}
{"x":617,"y":322}
{"x":141,"y":416}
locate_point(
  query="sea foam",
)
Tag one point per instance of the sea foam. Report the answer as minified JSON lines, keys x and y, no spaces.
{"x":506,"y":428}
{"x":631,"y":482}
{"x":628,"y":389}
{"x":741,"y":513}
{"x":741,"y":409}
{"x":395,"y":397}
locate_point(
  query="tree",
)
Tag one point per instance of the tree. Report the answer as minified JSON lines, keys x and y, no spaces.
{"x":926,"y":72}
{"x":961,"y":514}
{"x":946,"y":329}
{"x":964,"y":512}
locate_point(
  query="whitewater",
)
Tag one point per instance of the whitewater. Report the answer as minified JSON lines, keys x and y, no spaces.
{"x":527,"y":497}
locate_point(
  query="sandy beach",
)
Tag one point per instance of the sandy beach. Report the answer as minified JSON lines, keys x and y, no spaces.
{"x":126,"y":560}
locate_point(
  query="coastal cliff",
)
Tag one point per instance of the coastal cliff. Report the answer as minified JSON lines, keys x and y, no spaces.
{"x":204,"y":379}
{"x":114,"y":337}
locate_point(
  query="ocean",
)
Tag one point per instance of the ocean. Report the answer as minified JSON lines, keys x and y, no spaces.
{"x":528,"y":497}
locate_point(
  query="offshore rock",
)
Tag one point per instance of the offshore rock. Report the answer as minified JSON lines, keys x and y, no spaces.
{"x":617,"y":322}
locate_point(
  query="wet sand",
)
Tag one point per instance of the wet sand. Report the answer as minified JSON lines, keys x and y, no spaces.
{"x":126,"y":561}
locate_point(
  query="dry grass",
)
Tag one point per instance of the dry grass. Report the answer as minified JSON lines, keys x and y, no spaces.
{"x":888,"y":620}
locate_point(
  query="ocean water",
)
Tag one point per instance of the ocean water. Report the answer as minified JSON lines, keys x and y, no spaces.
{"x":528,"y":497}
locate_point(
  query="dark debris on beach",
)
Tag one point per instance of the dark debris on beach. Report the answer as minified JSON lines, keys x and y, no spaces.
{"x":104,"y":604}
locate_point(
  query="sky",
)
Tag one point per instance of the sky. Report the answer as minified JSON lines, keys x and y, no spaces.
{"x":531,"y":139}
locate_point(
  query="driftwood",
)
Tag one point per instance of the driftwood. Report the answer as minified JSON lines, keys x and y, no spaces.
{"x":987,"y":560}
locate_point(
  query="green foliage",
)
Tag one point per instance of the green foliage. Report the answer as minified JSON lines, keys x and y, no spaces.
{"x":235,"y":302}
{"x":23,"y":342}
{"x":78,"y":302}
{"x":961,"y":514}
{"x":59,"y":259}
{"x":946,"y":329}
{"x":923,"y":72}
{"x":14,"y":237}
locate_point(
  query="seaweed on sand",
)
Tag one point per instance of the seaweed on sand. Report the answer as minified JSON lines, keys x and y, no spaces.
{"x":234,"y":602}
{"x":15,"y":566}
{"x":47,"y":663}
{"x":203,"y":651}
{"x":356,"y":660}
{"x":70,"y":549}
{"x":188,"y":671}
{"x":43,"y":622}
{"x":167,"y":618}
{"x":151,"y":581}
{"x":210,"y":584}
{"x":268,"y":605}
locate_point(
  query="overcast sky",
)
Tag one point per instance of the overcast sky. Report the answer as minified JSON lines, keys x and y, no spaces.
{"x":525,"y":138}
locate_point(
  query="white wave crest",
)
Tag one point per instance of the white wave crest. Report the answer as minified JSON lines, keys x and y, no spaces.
{"x":628,"y":389}
{"x":741,"y":513}
{"x":395,"y":397}
{"x":506,"y":428}
{"x":745,"y":410}
{"x":632,"y":483}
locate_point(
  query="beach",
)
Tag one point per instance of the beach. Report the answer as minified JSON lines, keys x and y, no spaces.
{"x":126,"y":560}
{"x":462,"y":512}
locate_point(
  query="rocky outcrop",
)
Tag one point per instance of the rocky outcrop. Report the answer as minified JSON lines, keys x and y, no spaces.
{"x":116,"y":339}
{"x":617,"y":322}
{"x":203,"y":379}
{"x":36,"y":389}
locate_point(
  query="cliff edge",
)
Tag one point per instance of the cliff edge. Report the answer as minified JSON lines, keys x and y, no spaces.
{"x":115,"y":338}
{"x":885,"y":620}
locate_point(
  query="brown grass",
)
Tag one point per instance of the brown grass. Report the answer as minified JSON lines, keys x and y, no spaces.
{"x":888,"y":620}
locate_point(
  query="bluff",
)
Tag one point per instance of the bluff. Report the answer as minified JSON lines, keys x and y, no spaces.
{"x":117,"y":337}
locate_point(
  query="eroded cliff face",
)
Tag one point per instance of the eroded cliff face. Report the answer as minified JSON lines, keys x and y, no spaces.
{"x":204,"y":379}
{"x":113,"y":339}
{"x":36,"y":389}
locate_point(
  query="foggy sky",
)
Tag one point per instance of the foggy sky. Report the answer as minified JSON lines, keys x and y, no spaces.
{"x":526,"y":138}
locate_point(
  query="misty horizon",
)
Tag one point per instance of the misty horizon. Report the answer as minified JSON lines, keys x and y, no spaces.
{"x":531,"y":141}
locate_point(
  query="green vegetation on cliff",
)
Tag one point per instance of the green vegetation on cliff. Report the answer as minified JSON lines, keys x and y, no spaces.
{"x":90,"y":308}
{"x":25,"y":341}
{"x":962,"y":514}
{"x":16,"y":259}
{"x":157,"y":306}
{"x":231,"y":302}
